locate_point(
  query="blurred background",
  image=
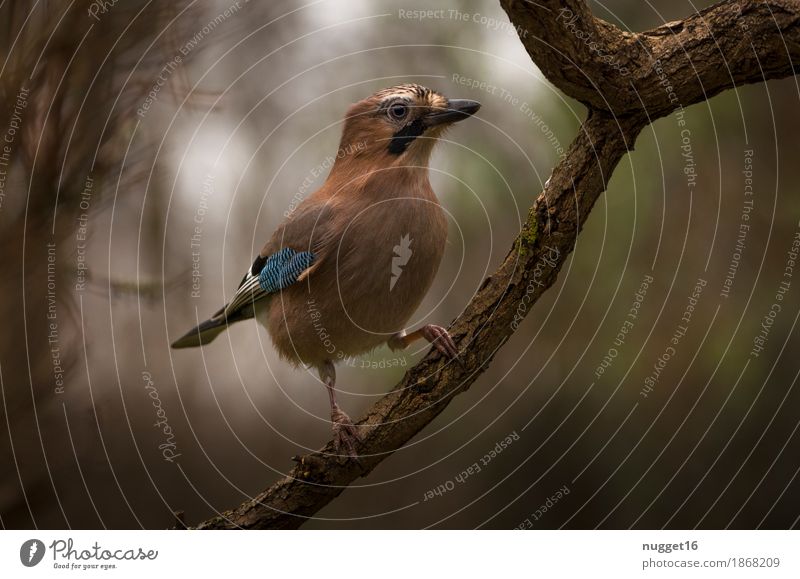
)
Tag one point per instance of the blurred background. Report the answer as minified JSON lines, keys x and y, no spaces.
{"x":149,"y":151}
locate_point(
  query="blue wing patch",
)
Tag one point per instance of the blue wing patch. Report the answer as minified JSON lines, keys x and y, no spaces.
{"x":279,"y":271}
{"x":283,"y":268}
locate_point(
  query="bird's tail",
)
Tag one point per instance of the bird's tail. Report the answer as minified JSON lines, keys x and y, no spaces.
{"x":202,"y":334}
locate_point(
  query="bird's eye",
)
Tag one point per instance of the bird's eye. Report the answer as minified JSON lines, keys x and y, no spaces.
{"x":398,"y":111}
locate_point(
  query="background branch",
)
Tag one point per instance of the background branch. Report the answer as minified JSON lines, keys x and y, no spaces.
{"x":612,"y":72}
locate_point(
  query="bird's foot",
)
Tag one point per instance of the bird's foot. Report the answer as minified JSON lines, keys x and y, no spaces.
{"x":441,"y":340}
{"x":345,"y":434}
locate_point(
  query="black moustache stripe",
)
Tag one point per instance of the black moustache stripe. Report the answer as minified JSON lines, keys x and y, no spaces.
{"x":405,"y":136}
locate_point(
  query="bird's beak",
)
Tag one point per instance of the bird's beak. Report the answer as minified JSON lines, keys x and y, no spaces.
{"x":457,"y":110}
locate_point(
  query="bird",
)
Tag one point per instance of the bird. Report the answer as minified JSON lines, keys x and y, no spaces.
{"x":350,"y":264}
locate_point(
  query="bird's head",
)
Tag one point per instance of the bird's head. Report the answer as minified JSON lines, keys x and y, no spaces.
{"x":399,"y":125}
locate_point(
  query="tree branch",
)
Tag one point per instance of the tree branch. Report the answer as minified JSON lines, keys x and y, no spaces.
{"x":726,"y":45}
{"x":613,"y":73}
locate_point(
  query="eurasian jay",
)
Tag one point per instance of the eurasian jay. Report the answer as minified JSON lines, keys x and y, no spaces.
{"x":347,"y":268}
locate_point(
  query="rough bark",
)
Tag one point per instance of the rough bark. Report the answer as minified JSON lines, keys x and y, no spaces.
{"x":726,"y":45}
{"x":719,"y":48}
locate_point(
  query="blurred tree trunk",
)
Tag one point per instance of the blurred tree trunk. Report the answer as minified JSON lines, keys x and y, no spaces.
{"x":70,"y":87}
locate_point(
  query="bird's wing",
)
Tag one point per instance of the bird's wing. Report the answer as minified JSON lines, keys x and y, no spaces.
{"x":298,"y":245}
{"x":272,"y":274}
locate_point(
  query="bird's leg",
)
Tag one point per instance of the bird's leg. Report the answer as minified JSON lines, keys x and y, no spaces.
{"x":436,"y":335}
{"x":345,"y":433}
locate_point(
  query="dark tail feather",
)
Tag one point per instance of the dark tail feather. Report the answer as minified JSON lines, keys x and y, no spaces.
{"x":202,"y":334}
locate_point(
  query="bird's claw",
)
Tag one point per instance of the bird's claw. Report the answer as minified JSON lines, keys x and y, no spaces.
{"x":441,"y":340}
{"x":345,"y":435}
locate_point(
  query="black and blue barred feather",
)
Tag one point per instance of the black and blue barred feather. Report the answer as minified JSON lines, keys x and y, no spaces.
{"x":279,"y":271}
{"x":283,"y":268}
